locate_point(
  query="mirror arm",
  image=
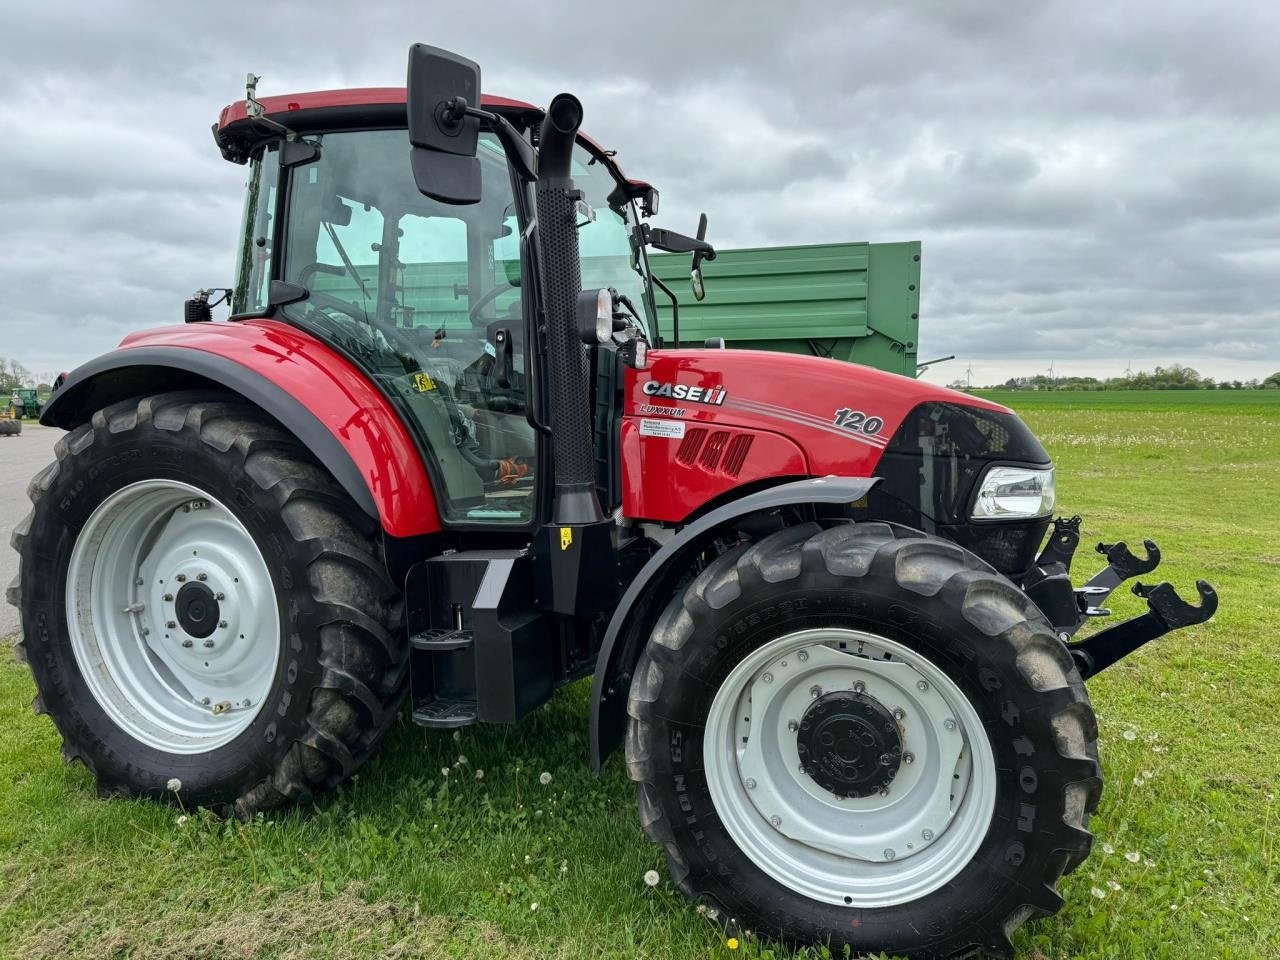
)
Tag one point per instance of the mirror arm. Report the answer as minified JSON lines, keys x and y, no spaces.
{"x":518,"y":148}
{"x":675,"y":310}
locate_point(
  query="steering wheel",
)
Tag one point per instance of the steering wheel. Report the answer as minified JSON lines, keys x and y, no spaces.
{"x":487,"y":298}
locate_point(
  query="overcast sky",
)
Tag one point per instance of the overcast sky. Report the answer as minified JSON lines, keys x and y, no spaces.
{"x":1095,"y":185}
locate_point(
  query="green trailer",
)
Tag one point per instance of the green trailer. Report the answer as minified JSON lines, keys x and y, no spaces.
{"x":858,"y":302}
{"x":852,"y":301}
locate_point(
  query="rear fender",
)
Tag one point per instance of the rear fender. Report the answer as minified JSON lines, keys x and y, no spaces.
{"x":649,"y":592}
{"x":314,"y":392}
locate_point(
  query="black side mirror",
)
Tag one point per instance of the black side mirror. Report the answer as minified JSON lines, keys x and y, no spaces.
{"x":441,"y":87}
{"x":673,"y":242}
{"x":704,"y":252}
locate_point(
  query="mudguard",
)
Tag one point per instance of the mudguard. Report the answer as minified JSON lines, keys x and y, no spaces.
{"x":649,"y":591}
{"x":313,"y":391}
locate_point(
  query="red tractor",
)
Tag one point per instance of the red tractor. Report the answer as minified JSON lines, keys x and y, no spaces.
{"x":442,"y":452}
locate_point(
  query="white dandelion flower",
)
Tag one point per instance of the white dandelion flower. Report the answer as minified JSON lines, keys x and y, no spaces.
{"x":479,"y":774}
{"x":564,"y":866}
{"x":462,"y":760}
{"x":651,"y":878}
{"x":457,"y":735}
{"x":174,"y":785}
{"x":1113,"y":885}
{"x":182,"y":819}
{"x":1098,"y":892}
{"x":1108,"y":849}
{"x":533,"y":906}
{"x":702,"y":909}
{"x":1148,"y":862}
{"x":1133,"y":856}
{"x":544,"y":778}
{"x":1130,"y":735}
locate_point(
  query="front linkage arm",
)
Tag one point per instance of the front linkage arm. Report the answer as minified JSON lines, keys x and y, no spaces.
{"x":1069,"y":607}
{"x":1166,"y":611}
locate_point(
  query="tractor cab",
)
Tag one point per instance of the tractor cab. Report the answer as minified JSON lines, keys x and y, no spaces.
{"x":433,"y":300}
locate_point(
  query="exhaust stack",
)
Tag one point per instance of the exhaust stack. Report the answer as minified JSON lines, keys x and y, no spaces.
{"x":573,"y":446}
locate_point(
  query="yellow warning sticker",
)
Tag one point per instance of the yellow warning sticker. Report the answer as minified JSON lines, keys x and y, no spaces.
{"x":423,"y":383}
{"x":566,"y":538}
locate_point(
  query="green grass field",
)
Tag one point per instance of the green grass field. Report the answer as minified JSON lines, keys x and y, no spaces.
{"x":410,"y":862}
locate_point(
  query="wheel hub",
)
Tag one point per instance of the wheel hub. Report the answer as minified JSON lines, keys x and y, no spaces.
{"x":197,"y":610}
{"x":894,"y":790}
{"x":173,"y":616}
{"x":849,"y":743}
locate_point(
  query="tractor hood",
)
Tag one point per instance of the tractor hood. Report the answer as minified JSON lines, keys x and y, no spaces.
{"x":701,"y":424}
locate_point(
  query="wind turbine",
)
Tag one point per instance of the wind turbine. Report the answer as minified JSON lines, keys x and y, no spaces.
{"x":968,"y":377}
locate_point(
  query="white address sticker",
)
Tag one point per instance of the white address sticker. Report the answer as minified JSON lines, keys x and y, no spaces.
{"x":671,"y":429}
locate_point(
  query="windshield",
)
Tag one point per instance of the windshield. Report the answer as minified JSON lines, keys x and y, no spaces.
{"x":611,"y":256}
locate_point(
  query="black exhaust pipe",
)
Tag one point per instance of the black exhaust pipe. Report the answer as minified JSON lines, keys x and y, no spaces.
{"x":569,"y":358}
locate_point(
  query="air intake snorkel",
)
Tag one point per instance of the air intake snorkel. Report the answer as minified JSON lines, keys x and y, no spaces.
{"x":569,"y":359}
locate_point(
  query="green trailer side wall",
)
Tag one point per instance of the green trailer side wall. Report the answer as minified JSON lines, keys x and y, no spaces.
{"x":853,"y":301}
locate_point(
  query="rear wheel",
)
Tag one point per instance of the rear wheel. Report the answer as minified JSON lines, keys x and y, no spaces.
{"x":862,"y":735}
{"x":201,"y":602}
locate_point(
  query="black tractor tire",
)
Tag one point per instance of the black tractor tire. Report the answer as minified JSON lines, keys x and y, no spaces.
{"x":10,"y":428}
{"x":343,"y":664}
{"x":968,"y":620}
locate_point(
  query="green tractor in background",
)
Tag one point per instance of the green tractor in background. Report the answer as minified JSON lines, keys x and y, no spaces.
{"x":24,"y":404}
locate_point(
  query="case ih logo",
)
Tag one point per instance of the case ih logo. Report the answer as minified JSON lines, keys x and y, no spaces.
{"x":682,"y":391}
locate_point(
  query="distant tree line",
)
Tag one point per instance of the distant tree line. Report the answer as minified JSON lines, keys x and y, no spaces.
{"x":14,"y":375}
{"x":1174,"y":377}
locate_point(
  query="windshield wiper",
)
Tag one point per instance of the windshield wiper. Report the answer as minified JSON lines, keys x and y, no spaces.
{"x":346,"y":262}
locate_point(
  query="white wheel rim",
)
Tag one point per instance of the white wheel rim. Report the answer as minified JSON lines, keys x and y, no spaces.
{"x":875,"y":851}
{"x":128,"y":617}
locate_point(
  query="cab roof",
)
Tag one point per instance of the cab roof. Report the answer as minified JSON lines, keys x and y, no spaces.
{"x":237,"y":134}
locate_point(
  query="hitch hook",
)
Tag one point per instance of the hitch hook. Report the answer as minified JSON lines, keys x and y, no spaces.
{"x":1125,"y":563}
{"x":1175,"y":612}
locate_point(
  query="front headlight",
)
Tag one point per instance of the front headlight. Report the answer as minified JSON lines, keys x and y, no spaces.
{"x":1014,"y":493}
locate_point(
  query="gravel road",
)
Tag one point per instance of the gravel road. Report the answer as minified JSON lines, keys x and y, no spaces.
{"x":21,"y":457}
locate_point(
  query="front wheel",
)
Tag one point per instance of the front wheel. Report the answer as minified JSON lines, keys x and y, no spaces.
{"x":860,"y":735}
{"x":204,"y":609}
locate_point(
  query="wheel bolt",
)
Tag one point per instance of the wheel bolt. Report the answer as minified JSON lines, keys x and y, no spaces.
{"x":815,"y":691}
{"x":202,"y":577}
{"x":802,"y":656}
{"x":908,"y":758}
{"x":219,"y":596}
{"x":168,"y":598}
{"x":187,"y":643}
{"x":767,"y":678}
{"x":170,"y":625}
{"x":750,"y":784}
{"x":926,"y":834}
{"x":922,"y":685}
{"x":859,"y":686}
{"x":776,"y":820}
{"x":139,"y":582}
{"x":889,"y":853}
{"x":949,"y":723}
{"x":246,"y":703}
{"x":792,"y":726}
{"x":209,"y":644}
{"x":205,"y":701}
{"x":222,"y":624}
{"x":899,"y":713}
{"x":146,"y":631}
{"x":181,"y":578}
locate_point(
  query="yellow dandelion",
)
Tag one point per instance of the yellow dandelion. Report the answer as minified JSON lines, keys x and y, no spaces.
{"x":732,"y":943}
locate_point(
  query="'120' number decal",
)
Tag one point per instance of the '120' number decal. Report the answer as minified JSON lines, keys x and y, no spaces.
{"x":858,"y":421}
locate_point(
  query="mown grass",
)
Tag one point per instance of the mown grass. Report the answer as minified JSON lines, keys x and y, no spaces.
{"x":407,"y":861}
